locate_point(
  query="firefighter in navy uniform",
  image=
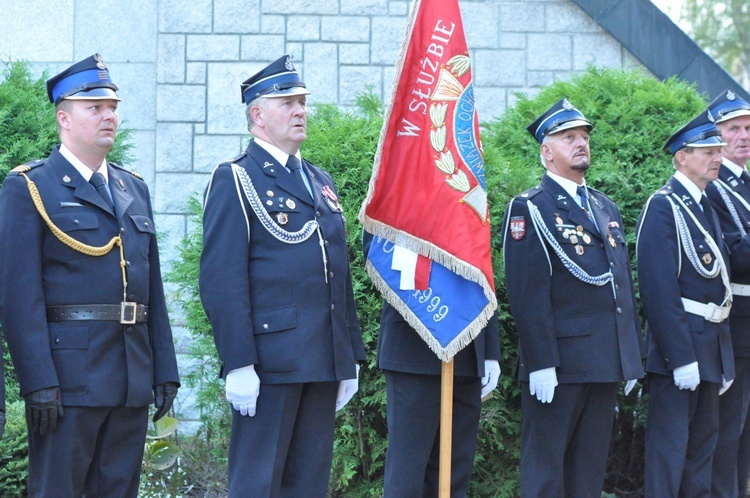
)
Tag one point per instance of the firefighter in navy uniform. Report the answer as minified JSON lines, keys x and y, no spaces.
{"x":686,"y":297}
{"x":81,"y":300}
{"x":276,"y":286}
{"x":571,"y":295}
{"x":730,"y":198}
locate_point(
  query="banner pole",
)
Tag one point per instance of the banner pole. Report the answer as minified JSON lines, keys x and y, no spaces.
{"x":446,"y":428}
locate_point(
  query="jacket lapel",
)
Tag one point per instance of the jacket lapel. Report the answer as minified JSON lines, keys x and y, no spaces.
{"x":120,"y":196}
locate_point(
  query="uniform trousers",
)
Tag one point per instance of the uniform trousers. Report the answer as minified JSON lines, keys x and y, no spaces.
{"x":681,"y":432}
{"x":564,"y":444}
{"x":286,"y":449}
{"x":412,"y":461}
{"x":95,"y":452}
{"x":743,"y":460}
{"x":733,"y":408}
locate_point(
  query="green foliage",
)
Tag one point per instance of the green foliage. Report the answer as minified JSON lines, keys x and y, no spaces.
{"x":14,"y":453}
{"x":720,"y":27}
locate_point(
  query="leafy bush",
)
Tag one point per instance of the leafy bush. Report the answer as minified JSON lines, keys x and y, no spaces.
{"x":14,"y":453}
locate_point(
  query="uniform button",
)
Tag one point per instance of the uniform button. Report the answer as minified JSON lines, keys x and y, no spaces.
{"x":127,"y":263}
{"x":333,"y":307}
{"x":265,"y":326}
{"x":122,"y":230}
{"x":129,"y":330}
{"x":76,"y":222}
{"x":619,"y":310}
{"x":57,"y":340}
{"x":146,"y":224}
{"x":131,"y":297}
{"x":317,"y":214}
{"x":326,"y":243}
{"x":617,"y":286}
{"x":330,"y":274}
{"x":611,"y":264}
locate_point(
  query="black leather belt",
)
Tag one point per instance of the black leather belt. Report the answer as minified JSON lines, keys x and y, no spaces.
{"x":126,"y":313}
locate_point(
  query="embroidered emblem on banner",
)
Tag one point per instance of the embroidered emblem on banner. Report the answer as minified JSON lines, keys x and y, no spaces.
{"x":517,"y":227}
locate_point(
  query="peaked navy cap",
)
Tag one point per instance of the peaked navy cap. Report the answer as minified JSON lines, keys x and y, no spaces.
{"x":561,"y":116}
{"x":278,"y":79}
{"x":728,"y":106}
{"x":700,"y":132}
{"x":85,"y":80}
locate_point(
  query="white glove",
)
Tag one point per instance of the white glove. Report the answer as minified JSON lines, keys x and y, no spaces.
{"x":542,"y":384}
{"x":347,"y":389}
{"x":491,"y":376}
{"x":725,"y":384}
{"x":629,"y":385}
{"x":687,"y":376}
{"x":243,"y":388}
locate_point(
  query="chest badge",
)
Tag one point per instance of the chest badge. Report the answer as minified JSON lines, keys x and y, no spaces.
{"x":331,"y":198}
{"x":282,"y":218}
{"x":707,"y":258}
{"x":611,"y":239}
{"x":66,"y":179}
{"x":290,"y":204}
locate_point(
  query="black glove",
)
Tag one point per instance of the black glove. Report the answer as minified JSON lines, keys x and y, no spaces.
{"x":43,"y":408}
{"x":2,"y":422}
{"x":163,"y":398}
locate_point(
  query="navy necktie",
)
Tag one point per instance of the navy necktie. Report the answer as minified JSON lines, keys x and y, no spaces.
{"x":293,"y":165}
{"x":581,"y":191}
{"x":745,"y":177}
{"x":97,"y":180}
{"x":708,"y":211}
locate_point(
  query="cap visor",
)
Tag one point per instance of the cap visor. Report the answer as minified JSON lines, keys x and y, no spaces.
{"x":298,"y":90}
{"x":732,"y":115}
{"x":576,"y":123}
{"x":707,"y":142}
{"x":95,"y":94}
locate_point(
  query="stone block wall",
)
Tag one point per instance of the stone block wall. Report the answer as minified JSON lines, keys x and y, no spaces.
{"x":179,"y":66}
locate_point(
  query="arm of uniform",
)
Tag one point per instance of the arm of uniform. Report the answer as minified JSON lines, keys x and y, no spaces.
{"x":528,"y":282}
{"x":22,"y":305}
{"x":159,"y":328}
{"x":223,"y":281}
{"x":737,"y":246}
{"x":492,"y":372}
{"x":657,"y":256}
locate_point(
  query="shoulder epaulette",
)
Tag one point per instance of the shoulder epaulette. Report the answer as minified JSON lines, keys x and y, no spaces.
{"x":117,"y":166}
{"x":528,"y":194}
{"x":665,"y":190}
{"x":23,"y":168}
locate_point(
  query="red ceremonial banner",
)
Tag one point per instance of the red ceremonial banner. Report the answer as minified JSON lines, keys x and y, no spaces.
{"x":428,"y":191}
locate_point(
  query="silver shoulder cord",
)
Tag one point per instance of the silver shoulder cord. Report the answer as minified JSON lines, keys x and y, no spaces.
{"x":724,"y":190}
{"x":686,"y":241}
{"x":572,"y":267}
{"x":270,"y":225}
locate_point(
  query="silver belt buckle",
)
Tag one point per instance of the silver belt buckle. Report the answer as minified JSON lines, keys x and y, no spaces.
{"x":128,"y":313}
